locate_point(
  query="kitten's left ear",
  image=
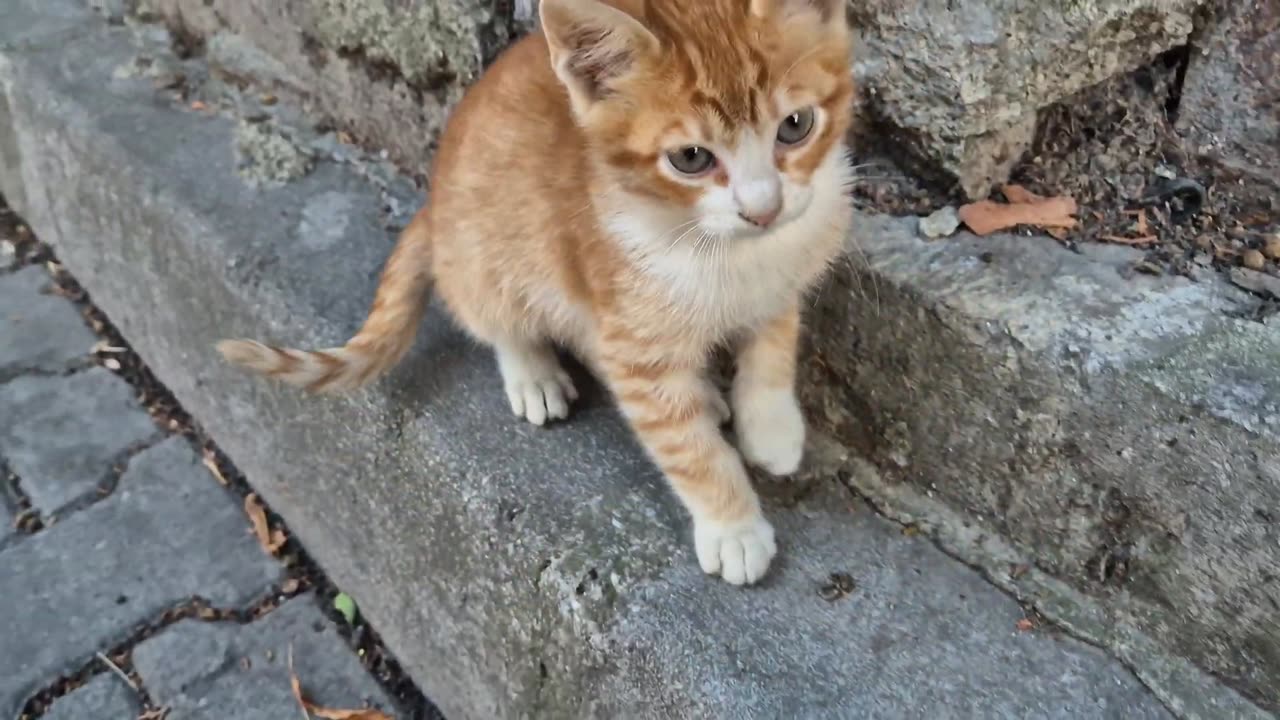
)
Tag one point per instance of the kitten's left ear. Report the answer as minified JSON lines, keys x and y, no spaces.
{"x":832,"y":12}
{"x":592,"y":45}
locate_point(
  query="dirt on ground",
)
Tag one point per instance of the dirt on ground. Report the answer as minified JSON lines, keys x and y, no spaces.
{"x":1114,"y":149}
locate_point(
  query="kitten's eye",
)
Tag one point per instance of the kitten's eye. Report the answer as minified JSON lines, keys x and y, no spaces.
{"x":796,"y":127}
{"x":691,"y":160}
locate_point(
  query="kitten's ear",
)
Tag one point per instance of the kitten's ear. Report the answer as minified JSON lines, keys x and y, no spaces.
{"x":592,"y":46}
{"x":832,"y":12}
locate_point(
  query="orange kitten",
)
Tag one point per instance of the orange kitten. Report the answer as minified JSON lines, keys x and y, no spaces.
{"x":642,"y":183}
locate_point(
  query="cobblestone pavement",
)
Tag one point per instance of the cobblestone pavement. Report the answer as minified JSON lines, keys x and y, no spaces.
{"x":132,"y":582}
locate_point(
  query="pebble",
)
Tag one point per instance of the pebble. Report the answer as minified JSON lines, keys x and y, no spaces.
{"x":1271,"y":249}
{"x":1254,"y":259}
{"x":942,"y":223}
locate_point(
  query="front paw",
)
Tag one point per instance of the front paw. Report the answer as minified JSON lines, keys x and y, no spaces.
{"x":738,"y":551}
{"x":770,"y":430}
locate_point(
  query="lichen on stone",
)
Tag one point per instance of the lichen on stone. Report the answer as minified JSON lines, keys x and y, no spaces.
{"x":428,"y":43}
{"x":266,"y":155}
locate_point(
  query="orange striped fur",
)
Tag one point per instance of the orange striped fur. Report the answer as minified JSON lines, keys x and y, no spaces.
{"x":560,"y":215}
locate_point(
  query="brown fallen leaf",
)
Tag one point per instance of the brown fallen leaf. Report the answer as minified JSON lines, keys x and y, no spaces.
{"x":1118,"y":240}
{"x":985,"y":216}
{"x":1019,"y":195}
{"x":335,"y":714}
{"x":309,"y":708}
{"x":198,"y":106}
{"x":212,"y":465}
{"x":270,"y":540}
{"x":1025,"y":625}
{"x":1142,"y":222}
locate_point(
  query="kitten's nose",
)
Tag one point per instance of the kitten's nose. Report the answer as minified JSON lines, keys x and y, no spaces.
{"x":759,"y":200}
{"x":762,"y":218}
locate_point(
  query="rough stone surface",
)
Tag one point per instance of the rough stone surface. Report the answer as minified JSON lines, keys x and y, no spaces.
{"x":966,"y":77}
{"x":212,"y":671}
{"x":514,"y":571}
{"x":386,"y":72}
{"x":961,"y":81}
{"x":63,"y":435}
{"x":1231,"y":97}
{"x":6,"y":522}
{"x":168,"y":533}
{"x":105,"y":697}
{"x":82,"y":586}
{"x":1121,"y":430}
{"x":25,"y":306}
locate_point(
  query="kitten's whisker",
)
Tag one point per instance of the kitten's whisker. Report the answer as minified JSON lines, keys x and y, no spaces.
{"x":692,"y":225}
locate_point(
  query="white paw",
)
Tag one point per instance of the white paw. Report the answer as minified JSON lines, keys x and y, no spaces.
{"x":738,"y":552}
{"x":770,"y":430}
{"x":716,"y":403}
{"x":537,"y":386}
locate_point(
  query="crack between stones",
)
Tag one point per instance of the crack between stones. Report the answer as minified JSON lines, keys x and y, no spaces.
{"x":26,"y":521}
{"x":302,"y":574}
{"x":924,"y":520}
{"x":121,"y":653}
{"x":72,"y":367}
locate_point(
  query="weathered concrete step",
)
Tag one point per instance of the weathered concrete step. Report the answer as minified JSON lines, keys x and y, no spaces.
{"x":514,"y":571}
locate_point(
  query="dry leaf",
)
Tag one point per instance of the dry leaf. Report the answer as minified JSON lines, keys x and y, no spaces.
{"x":334,"y":714}
{"x":1025,"y":625}
{"x":309,"y":708}
{"x":1142,"y":222}
{"x":271,"y":540}
{"x":1144,"y":240}
{"x":985,"y":216}
{"x":296,"y":686}
{"x":212,"y":465}
{"x":1019,"y":195}
{"x":197,"y":106}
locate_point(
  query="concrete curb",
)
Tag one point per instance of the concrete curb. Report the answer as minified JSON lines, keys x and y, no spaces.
{"x":1121,"y":432}
{"x":515,"y":572}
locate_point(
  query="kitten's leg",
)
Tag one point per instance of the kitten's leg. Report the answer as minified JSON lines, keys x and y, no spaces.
{"x":670,"y":411}
{"x":767,"y":418}
{"x":537,"y":386}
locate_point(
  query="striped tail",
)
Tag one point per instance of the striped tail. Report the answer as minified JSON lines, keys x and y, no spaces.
{"x":386,"y":336}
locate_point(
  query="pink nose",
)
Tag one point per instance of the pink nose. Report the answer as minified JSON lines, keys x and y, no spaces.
{"x":762,"y":219}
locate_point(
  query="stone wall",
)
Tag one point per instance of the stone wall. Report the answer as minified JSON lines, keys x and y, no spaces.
{"x":957,"y":82}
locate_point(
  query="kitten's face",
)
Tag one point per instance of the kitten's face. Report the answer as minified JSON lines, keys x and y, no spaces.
{"x":718,"y":123}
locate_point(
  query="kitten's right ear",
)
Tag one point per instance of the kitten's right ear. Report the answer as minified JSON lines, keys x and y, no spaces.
{"x":592,"y":46}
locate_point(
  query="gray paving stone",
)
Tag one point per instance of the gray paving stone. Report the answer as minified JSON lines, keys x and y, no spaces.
{"x":213,"y":671}
{"x":168,"y":533}
{"x":61,"y":435}
{"x":6,"y":523}
{"x":105,"y":697}
{"x":38,"y":331}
